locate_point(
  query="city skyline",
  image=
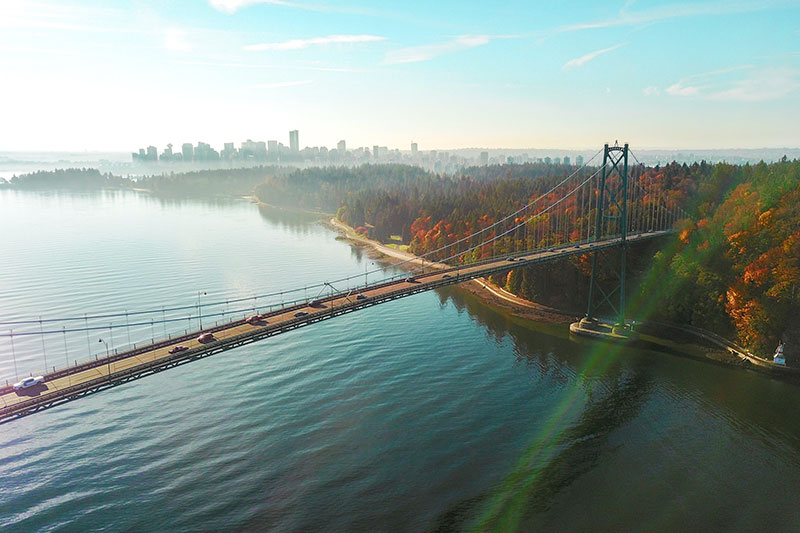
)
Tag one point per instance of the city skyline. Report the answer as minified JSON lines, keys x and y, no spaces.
{"x":275,"y":152}
{"x":91,"y":75}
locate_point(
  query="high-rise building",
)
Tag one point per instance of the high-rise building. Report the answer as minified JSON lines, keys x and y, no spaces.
{"x":253,"y":150}
{"x":376,"y":152}
{"x":204,"y":152}
{"x":566,"y":160}
{"x":294,"y":141}
{"x":272,"y":146}
{"x":152,"y":153}
{"x":579,"y":160}
{"x":413,"y":149}
{"x":188,"y":151}
{"x":261,"y":150}
{"x":341,"y":146}
{"x":166,"y":155}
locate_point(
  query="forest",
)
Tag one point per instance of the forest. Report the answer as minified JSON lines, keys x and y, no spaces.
{"x":69,"y":178}
{"x":735,"y":266}
{"x":218,"y":182}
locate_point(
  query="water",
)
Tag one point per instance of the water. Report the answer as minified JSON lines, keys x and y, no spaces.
{"x":432,"y":412}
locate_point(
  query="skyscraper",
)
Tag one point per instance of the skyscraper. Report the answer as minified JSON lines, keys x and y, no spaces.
{"x":228,"y":152}
{"x":484,"y":158}
{"x":413,"y":149}
{"x":294,"y":141}
{"x":188,"y":151}
{"x":166,"y":155}
{"x":342,"y":147}
{"x":579,"y":160}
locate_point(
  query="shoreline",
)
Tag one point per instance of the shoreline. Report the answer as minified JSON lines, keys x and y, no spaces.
{"x":481,"y":287}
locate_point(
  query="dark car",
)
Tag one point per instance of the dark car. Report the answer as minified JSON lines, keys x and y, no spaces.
{"x":316,"y":303}
{"x":361,"y":297}
{"x":411,"y":279}
{"x":300,"y":313}
{"x":445,"y":276}
{"x":510,"y":259}
{"x":178,"y":349}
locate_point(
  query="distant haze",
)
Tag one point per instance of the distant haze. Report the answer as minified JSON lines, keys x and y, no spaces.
{"x":119,"y":163}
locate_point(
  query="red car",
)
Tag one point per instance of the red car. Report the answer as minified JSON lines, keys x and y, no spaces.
{"x":178,"y":349}
{"x":255,"y":319}
{"x":206,"y":337}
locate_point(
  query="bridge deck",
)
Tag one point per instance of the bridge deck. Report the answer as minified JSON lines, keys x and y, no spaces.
{"x":93,"y":376}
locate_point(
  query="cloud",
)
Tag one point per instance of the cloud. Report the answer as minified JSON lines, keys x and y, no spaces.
{"x":651,"y":90}
{"x":299,"y":44}
{"x":671,"y":11}
{"x":232,"y":6}
{"x":767,"y":84}
{"x":698,"y":83}
{"x":175,"y":39}
{"x":744,"y":83}
{"x":679,"y":89}
{"x":228,"y":64}
{"x":52,"y":16}
{"x":414,"y":54}
{"x":281,"y":84}
{"x":580,"y":61}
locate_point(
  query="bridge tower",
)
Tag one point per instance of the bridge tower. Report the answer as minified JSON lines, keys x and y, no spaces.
{"x":611,"y":221}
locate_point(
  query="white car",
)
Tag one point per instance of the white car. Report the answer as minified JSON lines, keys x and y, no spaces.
{"x":28,"y":382}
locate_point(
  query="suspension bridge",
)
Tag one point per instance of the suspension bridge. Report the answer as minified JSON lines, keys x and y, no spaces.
{"x":594,"y":210}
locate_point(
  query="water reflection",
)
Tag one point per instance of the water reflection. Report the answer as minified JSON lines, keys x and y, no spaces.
{"x":607,"y":387}
{"x":296,"y":222}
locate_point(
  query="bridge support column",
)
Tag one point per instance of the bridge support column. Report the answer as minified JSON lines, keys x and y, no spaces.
{"x":611,"y":221}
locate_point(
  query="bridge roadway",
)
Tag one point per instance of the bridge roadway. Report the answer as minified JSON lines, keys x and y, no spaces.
{"x":93,"y":376}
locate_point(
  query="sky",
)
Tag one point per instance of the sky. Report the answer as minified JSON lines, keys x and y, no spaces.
{"x":116,"y":75}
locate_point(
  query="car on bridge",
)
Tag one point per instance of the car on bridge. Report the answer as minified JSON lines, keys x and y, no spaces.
{"x":316,"y":303}
{"x":255,"y":319}
{"x":446,"y":276}
{"x":300,"y":313}
{"x":28,"y":382}
{"x":178,"y":349}
{"x":362,"y":297}
{"x":411,"y":279}
{"x":206,"y":337}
